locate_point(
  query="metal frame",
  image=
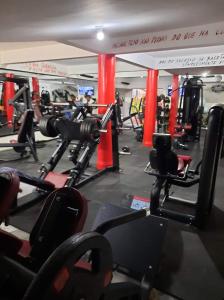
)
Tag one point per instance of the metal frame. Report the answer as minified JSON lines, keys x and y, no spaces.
{"x":24,"y":91}
{"x":80,"y":159}
{"x":206,"y":179}
{"x":181,"y":116}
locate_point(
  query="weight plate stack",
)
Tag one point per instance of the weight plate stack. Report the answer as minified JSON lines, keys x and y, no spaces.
{"x":46,"y":126}
{"x":89,"y":129}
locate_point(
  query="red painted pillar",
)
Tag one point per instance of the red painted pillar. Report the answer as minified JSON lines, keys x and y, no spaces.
{"x":150,"y":107}
{"x":8,"y":94}
{"x":106,"y":95}
{"x":174,"y":104}
{"x":36,"y":87}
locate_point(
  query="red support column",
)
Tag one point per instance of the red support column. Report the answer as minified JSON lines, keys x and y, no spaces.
{"x":150,"y":107}
{"x":8,"y":93}
{"x":36,"y":87}
{"x":106,"y":95}
{"x":174,"y":104}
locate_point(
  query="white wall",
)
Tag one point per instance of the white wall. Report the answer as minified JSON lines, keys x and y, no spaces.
{"x":51,"y":85}
{"x":210,"y":97}
{"x":163,"y":83}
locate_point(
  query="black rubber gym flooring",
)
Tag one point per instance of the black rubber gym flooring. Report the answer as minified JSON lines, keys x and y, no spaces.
{"x":193,"y":261}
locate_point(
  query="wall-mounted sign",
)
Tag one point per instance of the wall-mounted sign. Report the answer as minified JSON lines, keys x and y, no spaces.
{"x":193,"y":61}
{"x":41,"y":68}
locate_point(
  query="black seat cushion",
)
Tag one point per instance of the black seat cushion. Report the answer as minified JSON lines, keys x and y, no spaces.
{"x":164,"y":162}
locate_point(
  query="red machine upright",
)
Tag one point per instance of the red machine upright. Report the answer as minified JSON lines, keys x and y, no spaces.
{"x":150,"y":107}
{"x":8,"y":94}
{"x":106,"y":95}
{"x":36,"y":87}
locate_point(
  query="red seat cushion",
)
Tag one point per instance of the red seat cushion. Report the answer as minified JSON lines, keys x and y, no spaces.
{"x":25,"y":249}
{"x":57,"y":179}
{"x":180,"y":164}
{"x":186,"y":159}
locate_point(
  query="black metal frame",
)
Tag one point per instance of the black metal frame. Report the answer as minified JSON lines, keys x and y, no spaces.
{"x":206,"y":179}
{"x":81,"y":160}
{"x":115,"y":222}
{"x":24,"y":91}
{"x":196,"y":85}
{"x":80,"y":157}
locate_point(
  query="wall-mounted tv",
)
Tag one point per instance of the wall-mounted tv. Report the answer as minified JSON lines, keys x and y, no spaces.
{"x":89,"y":90}
{"x":169,"y":93}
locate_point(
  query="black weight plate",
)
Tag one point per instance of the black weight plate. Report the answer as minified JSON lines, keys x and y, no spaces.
{"x":46,"y":126}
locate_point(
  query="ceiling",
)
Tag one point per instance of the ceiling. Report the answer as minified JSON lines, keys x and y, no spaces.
{"x":89,"y":65}
{"x":30,"y":20}
{"x":29,"y":24}
{"x":19,"y":45}
{"x":78,"y":61}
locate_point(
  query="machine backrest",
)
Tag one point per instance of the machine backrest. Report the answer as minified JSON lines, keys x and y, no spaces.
{"x":63,"y":214}
{"x":26,"y":126}
{"x":211,"y":155}
{"x":161,"y":157}
{"x":136,"y":245}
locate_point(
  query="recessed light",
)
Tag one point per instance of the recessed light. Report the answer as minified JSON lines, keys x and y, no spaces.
{"x":100,"y":35}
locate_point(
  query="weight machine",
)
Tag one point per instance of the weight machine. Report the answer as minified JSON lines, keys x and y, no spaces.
{"x":171,"y":169}
{"x":24,"y":111}
{"x":191,"y":108}
{"x":87,"y":132}
{"x":60,"y":262}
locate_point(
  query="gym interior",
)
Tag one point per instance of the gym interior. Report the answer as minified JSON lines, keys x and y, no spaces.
{"x":112,"y":150}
